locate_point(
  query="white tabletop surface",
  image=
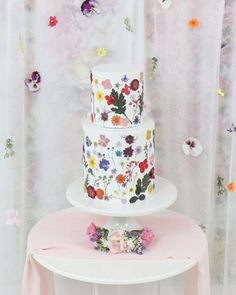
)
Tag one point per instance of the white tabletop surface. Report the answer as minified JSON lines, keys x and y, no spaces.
{"x":115,"y":272}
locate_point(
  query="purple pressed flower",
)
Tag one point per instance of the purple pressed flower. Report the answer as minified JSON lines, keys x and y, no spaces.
{"x":136,"y":120}
{"x":104,"y":164}
{"x":88,"y":141}
{"x":95,"y":237}
{"x":36,"y":77}
{"x":113,"y":171}
{"x":129,"y":139}
{"x":124,"y":79}
{"x":88,"y":154}
{"x":33,"y":83}
{"x":232,"y":128}
{"x":128,"y":152}
{"x":104,"y":116}
{"x":88,"y":7}
{"x":138,"y":150}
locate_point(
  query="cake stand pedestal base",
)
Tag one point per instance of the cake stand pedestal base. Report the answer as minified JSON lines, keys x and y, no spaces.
{"x":124,"y":223}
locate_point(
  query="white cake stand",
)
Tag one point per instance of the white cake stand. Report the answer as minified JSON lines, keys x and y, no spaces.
{"x":121,"y":215}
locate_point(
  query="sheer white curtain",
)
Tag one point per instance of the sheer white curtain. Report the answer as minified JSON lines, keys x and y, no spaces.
{"x":189,"y":51}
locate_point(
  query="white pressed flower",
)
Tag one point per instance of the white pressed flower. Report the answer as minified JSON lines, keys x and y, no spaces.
{"x":192,"y":147}
{"x":12,"y":217}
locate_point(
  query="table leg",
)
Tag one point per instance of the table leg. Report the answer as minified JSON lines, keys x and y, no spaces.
{"x":95,"y":289}
{"x":158,"y":288}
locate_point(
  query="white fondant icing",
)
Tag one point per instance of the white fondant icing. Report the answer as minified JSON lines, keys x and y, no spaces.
{"x":119,"y":163}
{"x":117,"y":95}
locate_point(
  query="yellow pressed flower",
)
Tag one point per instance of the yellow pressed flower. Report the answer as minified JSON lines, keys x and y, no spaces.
{"x":100,"y":96}
{"x":131,"y":189}
{"x":148,"y":134}
{"x":101,"y":52}
{"x":92,"y":162}
{"x":220,"y":92}
{"x":96,"y":81}
{"x":150,"y":188}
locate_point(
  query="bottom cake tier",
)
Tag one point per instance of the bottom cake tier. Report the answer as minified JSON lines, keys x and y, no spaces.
{"x":119,"y":164}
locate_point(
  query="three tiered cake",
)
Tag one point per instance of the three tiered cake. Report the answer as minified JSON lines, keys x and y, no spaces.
{"x":118,"y":147}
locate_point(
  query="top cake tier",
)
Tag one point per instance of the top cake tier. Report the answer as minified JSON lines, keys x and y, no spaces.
{"x":117,"y":95}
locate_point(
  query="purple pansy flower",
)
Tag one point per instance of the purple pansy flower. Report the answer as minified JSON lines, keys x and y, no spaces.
{"x":124,"y":78}
{"x":104,"y":164}
{"x":129,"y":139}
{"x":88,"y":7}
{"x":33,"y":83}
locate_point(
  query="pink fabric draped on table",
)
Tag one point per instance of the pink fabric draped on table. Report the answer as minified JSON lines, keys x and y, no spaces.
{"x":64,"y":234}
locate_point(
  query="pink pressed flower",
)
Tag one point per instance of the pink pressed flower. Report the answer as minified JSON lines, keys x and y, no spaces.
{"x":124,"y":122}
{"x":106,"y":84}
{"x":126,"y":89}
{"x":103,"y":140}
{"x":147,"y":236}
{"x":91,"y":229}
{"x":117,"y":243}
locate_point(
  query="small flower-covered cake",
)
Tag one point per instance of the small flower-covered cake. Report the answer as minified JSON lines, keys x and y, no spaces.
{"x":117,"y":95}
{"x":119,"y":163}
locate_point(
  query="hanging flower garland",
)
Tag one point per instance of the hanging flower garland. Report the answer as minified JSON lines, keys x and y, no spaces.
{"x":52,"y":21}
{"x":89,"y":7}
{"x":193,"y":23}
{"x":9,"y":151}
{"x":192,"y":147}
{"x":13,"y":218}
{"x":232,"y":128}
{"x":33,"y":83}
{"x":127,"y":24}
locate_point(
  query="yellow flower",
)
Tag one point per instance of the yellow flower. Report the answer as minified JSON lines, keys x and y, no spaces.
{"x":220,"y":92}
{"x":100,"y":96}
{"x":148,"y":134}
{"x":101,"y":52}
{"x":150,"y":188}
{"x":92,"y":162}
{"x":96,"y":81}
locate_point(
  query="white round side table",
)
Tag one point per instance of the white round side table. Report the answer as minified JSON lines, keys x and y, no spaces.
{"x":125,"y":272}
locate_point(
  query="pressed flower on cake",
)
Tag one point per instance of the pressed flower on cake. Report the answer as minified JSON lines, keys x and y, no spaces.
{"x":134,"y":85}
{"x":92,"y":162}
{"x":91,"y":191}
{"x":103,"y":140}
{"x":100,"y":96}
{"x":120,"y":178}
{"x":116,"y":120}
{"x":148,"y":134}
{"x":99,"y":193}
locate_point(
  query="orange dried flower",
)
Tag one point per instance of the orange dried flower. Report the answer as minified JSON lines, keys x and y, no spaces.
{"x":231,"y":187}
{"x":193,"y":23}
{"x":100,"y":193}
{"x":116,"y":120}
{"x":120,"y":178}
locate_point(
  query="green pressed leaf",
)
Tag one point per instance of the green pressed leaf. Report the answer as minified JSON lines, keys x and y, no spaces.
{"x":133,"y":199}
{"x":119,"y":104}
{"x":142,"y":197}
{"x":90,"y":171}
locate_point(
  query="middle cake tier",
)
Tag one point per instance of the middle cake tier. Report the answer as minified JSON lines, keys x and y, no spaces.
{"x":119,"y":164}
